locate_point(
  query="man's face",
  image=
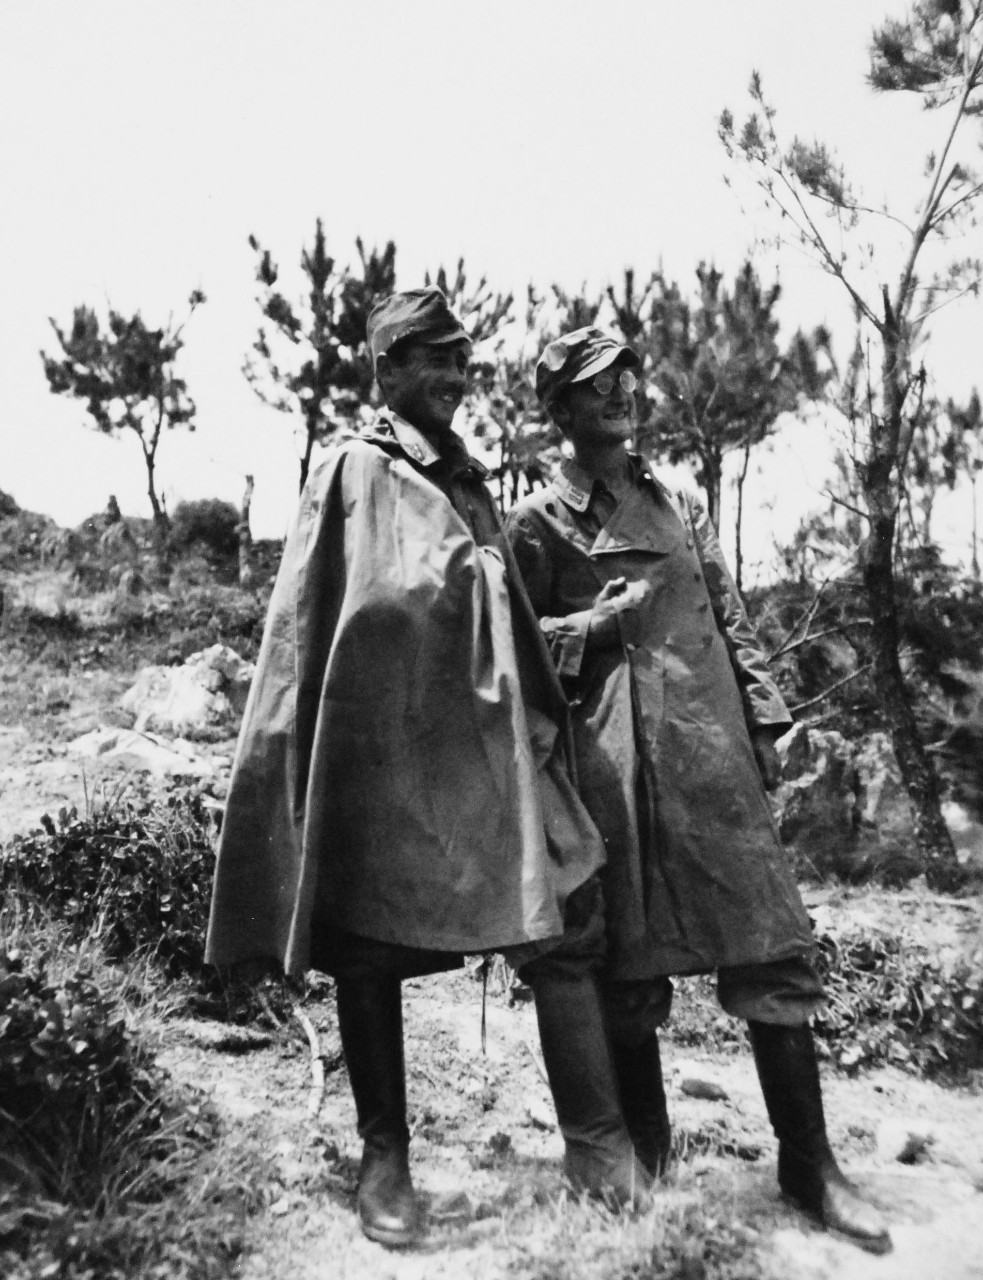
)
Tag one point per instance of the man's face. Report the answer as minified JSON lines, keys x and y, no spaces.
{"x":427,"y":384}
{"x":595,"y":417}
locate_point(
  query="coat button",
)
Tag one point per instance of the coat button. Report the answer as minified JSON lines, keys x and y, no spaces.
{"x":689,"y":543}
{"x":707,"y":641}
{"x":697,"y":577}
{"x":631,"y":647}
{"x":702,"y":608}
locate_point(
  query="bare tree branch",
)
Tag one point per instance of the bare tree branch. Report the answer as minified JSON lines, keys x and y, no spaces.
{"x":821,"y":697}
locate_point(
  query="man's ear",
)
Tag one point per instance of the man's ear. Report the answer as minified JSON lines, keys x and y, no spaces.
{"x":560,"y":413}
{"x":383,"y":372}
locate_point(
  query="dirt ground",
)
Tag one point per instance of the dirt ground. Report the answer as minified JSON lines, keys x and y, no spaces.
{"x":482,"y":1146}
{"x":485,"y":1146}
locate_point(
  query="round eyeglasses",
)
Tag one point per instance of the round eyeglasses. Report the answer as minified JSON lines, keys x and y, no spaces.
{"x":606,"y":382}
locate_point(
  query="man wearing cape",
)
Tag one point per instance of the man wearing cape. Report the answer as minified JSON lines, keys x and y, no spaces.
{"x":402,"y":791}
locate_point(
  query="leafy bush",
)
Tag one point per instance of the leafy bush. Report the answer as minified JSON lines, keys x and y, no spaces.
{"x":889,"y":1000}
{"x":138,"y":873}
{"x":209,"y":523}
{"x":70,"y":1079}
{"x":106,"y":1169}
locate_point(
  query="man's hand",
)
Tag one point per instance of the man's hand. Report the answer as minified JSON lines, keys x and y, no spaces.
{"x":769,"y":765}
{"x":616,"y":597}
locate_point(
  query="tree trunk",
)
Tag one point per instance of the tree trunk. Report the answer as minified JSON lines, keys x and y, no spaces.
{"x":245,"y":537}
{"x":162,"y":524}
{"x":713,"y":466}
{"x":942,"y":870}
{"x":311,"y":420}
{"x":739,"y":521}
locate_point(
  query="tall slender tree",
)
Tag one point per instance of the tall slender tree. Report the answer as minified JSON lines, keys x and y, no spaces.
{"x":482,"y":311}
{"x":310,"y":356}
{"x":722,"y":376}
{"x":504,"y":414}
{"x":936,"y":53}
{"x":125,"y":373}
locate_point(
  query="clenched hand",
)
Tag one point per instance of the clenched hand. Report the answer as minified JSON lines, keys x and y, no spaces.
{"x":616,"y":597}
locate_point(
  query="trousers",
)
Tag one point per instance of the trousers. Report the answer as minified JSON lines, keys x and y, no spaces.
{"x":351,"y":955}
{"x":781,"y":992}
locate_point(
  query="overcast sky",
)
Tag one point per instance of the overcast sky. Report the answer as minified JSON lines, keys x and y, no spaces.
{"x":543,"y":140}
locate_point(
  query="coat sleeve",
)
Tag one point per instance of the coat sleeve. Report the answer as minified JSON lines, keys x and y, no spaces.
{"x":764,"y":706}
{"x":565,"y":636}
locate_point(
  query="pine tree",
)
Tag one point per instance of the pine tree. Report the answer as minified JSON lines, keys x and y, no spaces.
{"x":936,"y":53}
{"x":722,"y":377}
{"x":125,"y":374}
{"x":311,"y":355}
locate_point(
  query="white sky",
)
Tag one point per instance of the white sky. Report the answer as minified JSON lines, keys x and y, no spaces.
{"x":141,"y":144}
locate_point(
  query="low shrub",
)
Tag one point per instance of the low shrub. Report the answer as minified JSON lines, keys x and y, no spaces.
{"x":106,"y":1168}
{"x":209,"y":523}
{"x":204,"y":615}
{"x":890,"y":1001}
{"x":71,"y":1080}
{"x":137,"y":873}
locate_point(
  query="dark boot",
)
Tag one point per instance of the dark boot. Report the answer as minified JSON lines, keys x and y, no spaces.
{"x":370,"y":1020}
{"x":599,"y":1156}
{"x":643,"y":1101}
{"x":807,"y":1168}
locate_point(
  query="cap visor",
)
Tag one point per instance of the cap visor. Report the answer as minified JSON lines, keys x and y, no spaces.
{"x":442,"y":339}
{"x":605,"y":360}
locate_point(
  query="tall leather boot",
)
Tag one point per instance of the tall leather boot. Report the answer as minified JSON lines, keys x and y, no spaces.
{"x":807,"y":1169}
{"x":638,"y":1068}
{"x":599,"y":1157}
{"x":370,"y":1020}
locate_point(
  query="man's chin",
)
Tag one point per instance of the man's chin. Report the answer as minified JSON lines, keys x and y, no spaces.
{"x":438,"y":423}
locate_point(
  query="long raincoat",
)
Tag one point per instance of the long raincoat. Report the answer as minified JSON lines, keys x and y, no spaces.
{"x":388,"y":779}
{"x":697,"y":878}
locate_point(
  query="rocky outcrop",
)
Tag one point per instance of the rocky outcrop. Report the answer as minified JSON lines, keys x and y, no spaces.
{"x":143,"y":753}
{"x":202,"y":699}
{"x":841,"y":806}
{"x":816,"y":803}
{"x":967,"y":836}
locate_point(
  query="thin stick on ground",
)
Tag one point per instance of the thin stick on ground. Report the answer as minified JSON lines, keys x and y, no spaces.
{"x":538,"y":1063}
{"x":317,"y":1063}
{"x":268,"y":1009}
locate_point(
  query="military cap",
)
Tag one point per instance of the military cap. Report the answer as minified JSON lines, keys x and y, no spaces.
{"x":576,"y":357}
{"x":423,"y":314}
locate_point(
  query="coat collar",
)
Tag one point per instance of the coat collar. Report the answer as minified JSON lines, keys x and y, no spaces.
{"x":415,"y":445}
{"x":576,"y":488}
{"x":631,"y":527}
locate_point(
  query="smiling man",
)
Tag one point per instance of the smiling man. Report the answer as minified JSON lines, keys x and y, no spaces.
{"x":675,"y":716}
{"x":400,"y":793}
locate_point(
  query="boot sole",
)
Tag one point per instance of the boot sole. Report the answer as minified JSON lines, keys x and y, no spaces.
{"x":878,"y":1245}
{"x":392,"y":1239}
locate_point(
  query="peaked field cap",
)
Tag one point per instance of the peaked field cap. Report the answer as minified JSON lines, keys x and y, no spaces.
{"x":576,"y":357}
{"x":415,"y":313}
